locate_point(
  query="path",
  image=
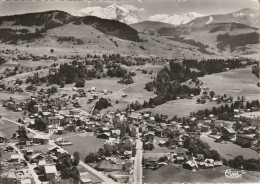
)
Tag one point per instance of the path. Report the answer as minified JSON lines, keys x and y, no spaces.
{"x":138,"y":169}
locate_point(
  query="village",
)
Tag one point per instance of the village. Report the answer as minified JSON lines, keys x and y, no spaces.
{"x":39,"y":142}
{"x":129,"y":92}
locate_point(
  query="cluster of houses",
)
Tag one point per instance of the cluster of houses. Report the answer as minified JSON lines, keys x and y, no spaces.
{"x":13,"y":166}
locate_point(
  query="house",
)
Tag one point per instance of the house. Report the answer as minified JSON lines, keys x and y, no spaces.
{"x":162,"y":143}
{"x":244,"y":140}
{"x":227,"y":133}
{"x":41,"y":164}
{"x":209,"y":163}
{"x":115,"y":133}
{"x":36,"y":157}
{"x":50,"y":128}
{"x":105,"y":135}
{"x":152,"y":162}
{"x":85,"y":177}
{"x":111,"y":141}
{"x":128,"y":154}
{"x":218,"y":163}
{"x":15,"y":158}
{"x":40,"y":139}
{"x":26,"y":181}
{"x":134,"y":116}
{"x":50,"y":171}
{"x":133,"y":131}
{"x":29,"y":151}
{"x":190,"y":165}
{"x":60,"y":130}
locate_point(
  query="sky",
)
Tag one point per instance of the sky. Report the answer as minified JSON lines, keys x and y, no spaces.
{"x":147,"y":7}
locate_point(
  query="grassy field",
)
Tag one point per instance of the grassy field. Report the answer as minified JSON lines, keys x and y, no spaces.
{"x":81,"y":142}
{"x":240,"y":82}
{"x":230,"y":150}
{"x":233,"y":83}
{"x":7,"y":128}
{"x":179,"y":175}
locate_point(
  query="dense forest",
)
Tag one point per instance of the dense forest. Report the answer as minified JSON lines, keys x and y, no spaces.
{"x":236,"y":40}
{"x":112,"y":27}
{"x":14,"y":35}
{"x":210,"y":66}
{"x":201,"y":47}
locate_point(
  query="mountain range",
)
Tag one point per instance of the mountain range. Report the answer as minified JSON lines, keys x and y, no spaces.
{"x":204,"y":37}
{"x":245,"y":16}
{"x":126,"y":14}
{"x":129,"y":14}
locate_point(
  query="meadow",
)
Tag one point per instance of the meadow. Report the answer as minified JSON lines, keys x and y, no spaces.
{"x":239,"y":82}
{"x":81,"y":142}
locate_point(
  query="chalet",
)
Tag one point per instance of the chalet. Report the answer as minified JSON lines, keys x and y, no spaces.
{"x":93,"y":88}
{"x":37,"y":157}
{"x":111,"y":141}
{"x":134,"y":116}
{"x":29,"y":152}
{"x":209,"y":163}
{"x":162,"y":143}
{"x":204,"y":128}
{"x":41,"y":165}
{"x":60,"y":130}
{"x":105,"y":135}
{"x":50,"y":128}
{"x":218,"y":163}
{"x":133,"y":131}
{"x":50,"y":171}
{"x":127,"y":154}
{"x":190,"y":165}
{"x":228,"y":133}
{"x":244,"y":140}
{"x":15,"y":158}
{"x":115,"y":133}
{"x":85,"y":177}
{"x":152,"y":162}
{"x":36,"y":108}
{"x":40,"y":139}
{"x":26,"y":181}
{"x":179,"y":160}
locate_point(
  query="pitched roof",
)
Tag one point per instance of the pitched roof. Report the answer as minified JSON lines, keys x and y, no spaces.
{"x":50,"y":169}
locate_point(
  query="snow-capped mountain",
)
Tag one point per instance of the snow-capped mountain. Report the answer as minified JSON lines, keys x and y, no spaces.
{"x":126,"y":13}
{"x":175,"y":19}
{"x":245,"y":16}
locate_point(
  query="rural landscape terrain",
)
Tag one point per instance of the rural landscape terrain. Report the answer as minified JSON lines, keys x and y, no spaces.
{"x":103,"y":96}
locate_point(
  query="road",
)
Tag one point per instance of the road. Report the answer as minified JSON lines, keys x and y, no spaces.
{"x":94,"y":171}
{"x":30,"y":166}
{"x":51,"y":142}
{"x":138,"y":169}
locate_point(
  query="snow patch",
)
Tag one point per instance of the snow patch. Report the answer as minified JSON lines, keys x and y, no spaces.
{"x":175,"y":19}
{"x":210,"y":19}
{"x":125,"y":13}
